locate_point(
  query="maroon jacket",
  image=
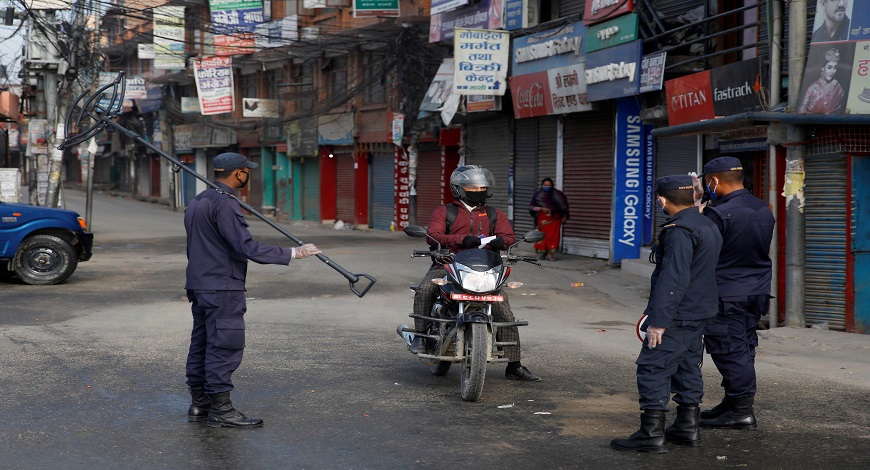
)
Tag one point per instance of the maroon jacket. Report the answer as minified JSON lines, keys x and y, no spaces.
{"x":474,"y":223}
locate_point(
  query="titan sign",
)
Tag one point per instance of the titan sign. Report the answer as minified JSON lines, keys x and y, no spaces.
{"x":722,"y":91}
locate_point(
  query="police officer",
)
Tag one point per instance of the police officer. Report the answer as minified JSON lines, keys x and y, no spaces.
{"x":682,"y":302}
{"x":743,"y":281}
{"x":471,"y":185}
{"x":218,"y":249}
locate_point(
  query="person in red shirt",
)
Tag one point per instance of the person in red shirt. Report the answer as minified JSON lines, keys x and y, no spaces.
{"x":471,"y":185}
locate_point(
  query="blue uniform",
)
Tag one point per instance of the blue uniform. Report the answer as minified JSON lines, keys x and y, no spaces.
{"x":218,"y":249}
{"x":743,"y":278}
{"x":683,"y":301}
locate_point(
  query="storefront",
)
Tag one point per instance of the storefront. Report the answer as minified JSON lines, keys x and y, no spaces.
{"x":488,"y":145}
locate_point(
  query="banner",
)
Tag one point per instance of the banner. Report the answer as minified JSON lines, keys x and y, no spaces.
{"x":234,"y":23}
{"x":629,"y":186}
{"x":375,"y":8}
{"x":169,"y":38}
{"x":486,"y":14}
{"x":214,"y":85}
{"x":481,"y":58}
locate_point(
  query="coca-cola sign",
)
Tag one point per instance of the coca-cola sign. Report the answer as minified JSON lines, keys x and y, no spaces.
{"x":529,"y":94}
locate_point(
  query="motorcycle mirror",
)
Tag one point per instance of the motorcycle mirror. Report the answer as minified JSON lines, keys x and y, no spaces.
{"x":415,"y":231}
{"x":533,"y":236}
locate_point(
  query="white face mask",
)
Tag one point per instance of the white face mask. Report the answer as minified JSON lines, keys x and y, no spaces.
{"x":662,"y":202}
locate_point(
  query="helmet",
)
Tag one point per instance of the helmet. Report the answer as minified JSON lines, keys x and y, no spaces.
{"x":471,"y":175}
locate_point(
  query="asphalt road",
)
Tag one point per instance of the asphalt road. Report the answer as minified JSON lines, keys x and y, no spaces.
{"x":93,"y":370}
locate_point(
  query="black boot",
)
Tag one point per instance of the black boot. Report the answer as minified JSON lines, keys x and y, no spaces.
{"x":719,"y":409}
{"x":685,"y":430}
{"x":739,"y":416}
{"x":200,"y":405}
{"x":417,"y":345}
{"x":223,"y":414}
{"x":651,"y":436}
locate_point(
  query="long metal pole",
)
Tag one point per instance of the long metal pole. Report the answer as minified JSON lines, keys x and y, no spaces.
{"x":794,"y":172}
{"x":775,"y":96}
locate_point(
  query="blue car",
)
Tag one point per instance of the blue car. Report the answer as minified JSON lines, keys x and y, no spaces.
{"x":42,"y":245}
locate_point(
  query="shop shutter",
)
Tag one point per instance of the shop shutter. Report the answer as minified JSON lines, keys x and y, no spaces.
{"x":572,"y":9}
{"x":344,"y":184}
{"x":488,"y":145}
{"x":827,"y":227}
{"x":674,"y":156}
{"x":310,"y":188}
{"x":588,"y":182}
{"x":546,"y":149}
{"x":525,"y":172}
{"x":430,"y":183}
{"x":255,"y":186}
{"x":382,"y":191}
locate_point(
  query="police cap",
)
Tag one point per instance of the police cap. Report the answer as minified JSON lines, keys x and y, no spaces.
{"x":722,"y":164}
{"x":232,"y":161}
{"x":671,"y":182}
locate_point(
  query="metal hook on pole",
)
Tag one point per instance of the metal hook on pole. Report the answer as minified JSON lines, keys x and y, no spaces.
{"x":79,"y":130}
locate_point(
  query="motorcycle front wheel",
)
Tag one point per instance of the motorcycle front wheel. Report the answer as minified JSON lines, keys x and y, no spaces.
{"x":477,"y":345}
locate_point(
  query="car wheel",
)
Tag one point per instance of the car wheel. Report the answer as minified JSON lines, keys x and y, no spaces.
{"x":44,"y":260}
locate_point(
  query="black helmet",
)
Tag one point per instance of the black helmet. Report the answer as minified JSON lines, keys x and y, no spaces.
{"x":471,"y":175}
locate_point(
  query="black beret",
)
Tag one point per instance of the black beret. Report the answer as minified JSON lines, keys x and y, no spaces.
{"x":671,"y":182}
{"x":722,"y":164}
{"x":232,"y":161}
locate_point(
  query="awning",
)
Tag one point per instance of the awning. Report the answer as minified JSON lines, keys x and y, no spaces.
{"x":756,"y":118}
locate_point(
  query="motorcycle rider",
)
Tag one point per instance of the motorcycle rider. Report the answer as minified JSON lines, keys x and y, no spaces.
{"x":471,"y":185}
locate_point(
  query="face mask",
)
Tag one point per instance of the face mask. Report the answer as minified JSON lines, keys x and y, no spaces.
{"x":475,"y":197}
{"x":546,"y":188}
{"x":245,"y":183}
{"x":661,"y":206}
{"x":712,"y":193}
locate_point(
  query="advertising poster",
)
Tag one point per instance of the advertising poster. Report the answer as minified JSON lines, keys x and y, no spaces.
{"x":234,"y":23}
{"x":214,"y":85}
{"x":481,"y":62}
{"x":169,"y":38}
{"x":629,"y":186}
{"x":441,"y":87}
{"x":486,"y":14}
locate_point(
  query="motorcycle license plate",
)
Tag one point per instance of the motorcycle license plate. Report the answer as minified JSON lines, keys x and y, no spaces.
{"x":477,"y":298}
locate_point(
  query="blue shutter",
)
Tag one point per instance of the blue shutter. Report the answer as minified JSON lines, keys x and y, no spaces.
{"x":382,"y":191}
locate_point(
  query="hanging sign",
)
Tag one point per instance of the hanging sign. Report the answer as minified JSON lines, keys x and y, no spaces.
{"x":214,"y":85}
{"x":481,"y":62}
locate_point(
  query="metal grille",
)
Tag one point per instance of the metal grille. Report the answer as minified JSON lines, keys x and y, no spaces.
{"x":840,"y":139}
{"x":525,"y":174}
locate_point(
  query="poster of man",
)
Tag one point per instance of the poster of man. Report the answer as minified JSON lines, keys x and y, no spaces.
{"x":827,"y":78}
{"x":832,"y":20}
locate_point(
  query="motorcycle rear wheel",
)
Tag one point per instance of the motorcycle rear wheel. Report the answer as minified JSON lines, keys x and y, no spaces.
{"x":478,"y":341}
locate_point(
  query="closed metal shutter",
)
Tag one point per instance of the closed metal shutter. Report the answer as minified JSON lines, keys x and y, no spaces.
{"x":546,"y":149}
{"x":572,"y":9}
{"x":588,"y":182}
{"x":310,"y":167}
{"x":430,"y":183}
{"x":255,"y":187}
{"x":827,"y":227}
{"x":488,"y":145}
{"x":344,"y":188}
{"x":525,"y":172}
{"x":674,"y":156}
{"x":382,"y":191}
{"x":669,"y":9}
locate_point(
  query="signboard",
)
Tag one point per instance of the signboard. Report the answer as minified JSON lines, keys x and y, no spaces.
{"x":277,"y":33}
{"x":652,"y":71}
{"x":481,"y":58}
{"x":555,"y":91}
{"x":234,"y":23}
{"x":648,"y":182}
{"x":190,"y":104}
{"x":335,"y":129}
{"x":629,"y":186}
{"x":301,"y":137}
{"x":481,"y":103}
{"x":613,"y":72}
{"x":214,"y":85}
{"x":169,"y":38}
{"x":375,"y":8}
{"x":516,"y":14}
{"x":260,"y":108}
{"x":486,"y":14}
{"x":440,"y":6}
{"x":600,"y":10}
{"x":135,"y":88}
{"x":548,"y":49}
{"x":722,"y":91}
{"x":610,"y":33}
{"x":182,"y":134}
{"x":146,"y":51}
{"x":402,"y":183}
{"x":441,"y":87}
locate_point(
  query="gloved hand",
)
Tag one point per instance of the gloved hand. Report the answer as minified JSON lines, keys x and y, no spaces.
{"x":497,"y":243}
{"x":305,"y":251}
{"x":470,"y":242}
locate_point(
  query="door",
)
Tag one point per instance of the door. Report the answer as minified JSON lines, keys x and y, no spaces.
{"x":382,"y":175}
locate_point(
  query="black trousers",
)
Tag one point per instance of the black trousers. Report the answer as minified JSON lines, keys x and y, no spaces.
{"x":217,"y":340}
{"x":674,"y":366}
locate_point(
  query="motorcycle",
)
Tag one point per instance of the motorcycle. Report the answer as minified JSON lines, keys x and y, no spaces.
{"x":460,"y":325}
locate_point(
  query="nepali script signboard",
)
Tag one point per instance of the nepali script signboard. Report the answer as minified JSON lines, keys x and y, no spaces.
{"x":234,"y":23}
{"x":481,"y":57}
{"x":169,"y":38}
{"x":214,"y":85}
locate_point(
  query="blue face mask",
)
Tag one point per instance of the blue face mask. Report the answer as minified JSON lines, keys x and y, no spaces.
{"x":712,"y":193}
{"x":662,"y":208}
{"x":546,"y":188}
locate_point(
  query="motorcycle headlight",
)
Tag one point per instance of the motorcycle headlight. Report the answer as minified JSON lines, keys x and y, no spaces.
{"x":473,"y":281}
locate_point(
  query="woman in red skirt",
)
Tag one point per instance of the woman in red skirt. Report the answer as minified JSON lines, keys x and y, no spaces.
{"x":550,"y":208}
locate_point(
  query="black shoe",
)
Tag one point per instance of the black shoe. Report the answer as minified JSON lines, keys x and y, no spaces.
{"x":739,"y":416}
{"x":223,"y":414}
{"x":521,"y":373}
{"x":719,"y":409}
{"x":649,"y":438}
{"x":685,"y":431}
{"x":417,"y":345}
{"x":200,"y":405}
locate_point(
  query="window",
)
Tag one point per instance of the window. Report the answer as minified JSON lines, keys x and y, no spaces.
{"x":374,"y":77}
{"x":336,"y":76}
{"x":249,"y":86}
{"x":273,"y":79}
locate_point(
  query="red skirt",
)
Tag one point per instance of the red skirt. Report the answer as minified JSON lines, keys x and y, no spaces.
{"x":551,"y":225}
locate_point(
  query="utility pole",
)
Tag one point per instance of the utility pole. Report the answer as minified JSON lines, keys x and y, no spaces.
{"x":794,"y":171}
